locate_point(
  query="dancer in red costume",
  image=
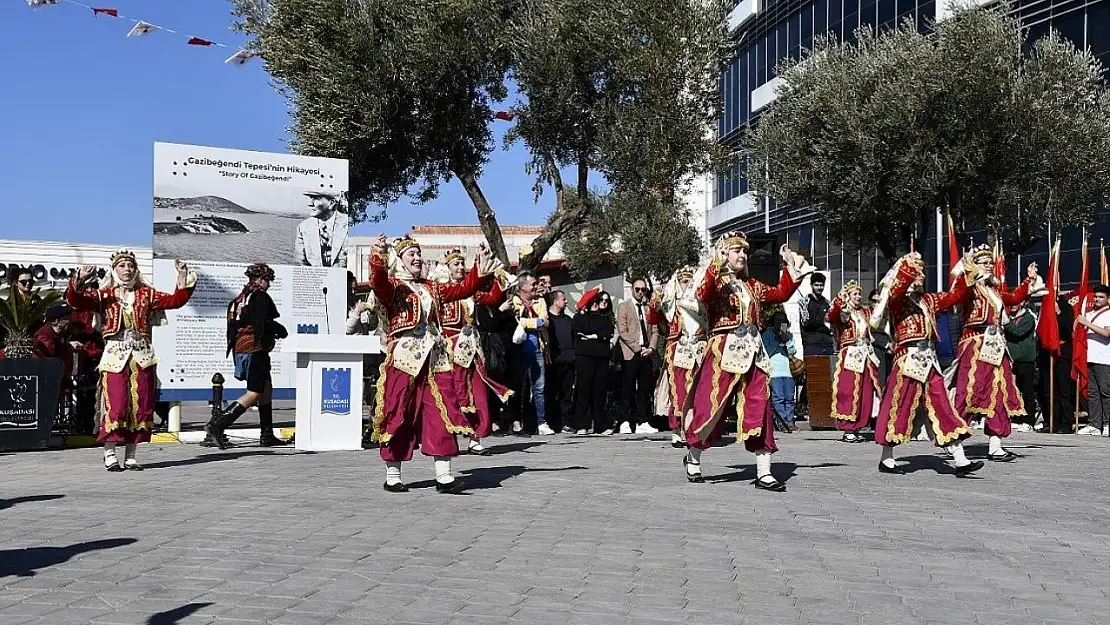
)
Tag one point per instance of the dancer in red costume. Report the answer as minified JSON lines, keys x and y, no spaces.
{"x":915,"y":373}
{"x":458,"y":321}
{"x":685,"y":347}
{"x":736,"y":364}
{"x":856,"y":380}
{"x":984,"y":380}
{"x":130,"y":308}
{"x":416,"y":400}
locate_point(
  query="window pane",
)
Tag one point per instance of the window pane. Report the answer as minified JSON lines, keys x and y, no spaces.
{"x":867,"y":14}
{"x":807,"y":27}
{"x":886,"y":10}
{"x":820,"y":17}
{"x":793,"y":33}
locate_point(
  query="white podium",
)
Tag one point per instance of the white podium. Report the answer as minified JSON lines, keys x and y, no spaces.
{"x":329,"y":389}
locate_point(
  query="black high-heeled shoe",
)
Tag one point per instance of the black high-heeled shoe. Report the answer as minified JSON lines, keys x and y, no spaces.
{"x":895,"y":470}
{"x":768,"y":482}
{"x":399,"y":487}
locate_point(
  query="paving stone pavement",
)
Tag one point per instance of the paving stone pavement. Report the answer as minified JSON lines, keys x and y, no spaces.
{"x":558,"y":530}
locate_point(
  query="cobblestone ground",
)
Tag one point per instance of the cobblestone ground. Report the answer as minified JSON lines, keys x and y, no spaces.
{"x":557,"y":530}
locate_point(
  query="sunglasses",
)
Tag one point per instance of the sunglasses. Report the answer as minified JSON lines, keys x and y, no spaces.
{"x":26,"y":282}
{"x":639,"y":289}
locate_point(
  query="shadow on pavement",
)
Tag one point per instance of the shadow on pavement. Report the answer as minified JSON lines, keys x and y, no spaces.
{"x":171,"y":617}
{"x":481,"y":478}
{"x":8,"y":503}
{"x":783,"y":471}
{"x":206,"y":458}
{"x":496,"y":450}
{"x":24,"y":562}
{"x":913,"y":464}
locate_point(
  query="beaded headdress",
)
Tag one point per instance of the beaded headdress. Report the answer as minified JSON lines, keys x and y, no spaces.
{"x":685,"y":273}
{"x":850,"y":287}
{"x":452,"y":255}
{"x":981,"y":253}
{"x":734,"y":239}
{"x":400,"y":244}
{"x":123,"y":255}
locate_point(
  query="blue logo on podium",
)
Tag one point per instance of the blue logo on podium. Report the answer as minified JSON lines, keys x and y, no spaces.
{"x":308,"y":328}
{"x":335,"y":391}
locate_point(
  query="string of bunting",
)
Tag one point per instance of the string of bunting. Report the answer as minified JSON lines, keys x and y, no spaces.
{"x":143,"y":28}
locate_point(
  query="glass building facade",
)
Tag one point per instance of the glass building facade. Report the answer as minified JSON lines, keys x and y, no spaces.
{"x":781,"y":28}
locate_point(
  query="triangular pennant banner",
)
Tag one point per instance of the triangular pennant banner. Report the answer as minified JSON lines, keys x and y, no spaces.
{"x":112,"y":12}
{"x":141,"y":29}
{"x":240,"y":58}
{"x":34,"y":4}
{"x":197,"y":41}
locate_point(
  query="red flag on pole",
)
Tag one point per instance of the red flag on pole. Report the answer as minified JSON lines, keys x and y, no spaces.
{"x":999,"y":263}
{"x":953,"y":251}
{"x":197,"y":41}
{"x":112,"y":12}
{"x":1047,"y":329}
{"x":1079,"y":333}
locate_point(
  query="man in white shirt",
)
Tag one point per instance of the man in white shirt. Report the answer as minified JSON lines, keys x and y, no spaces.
{"x":1097,"y":323}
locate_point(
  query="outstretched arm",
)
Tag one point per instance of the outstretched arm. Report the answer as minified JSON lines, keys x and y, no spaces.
{"x":782,"y":291}
{"x":460,"y":290}
{"x":492,"y":297}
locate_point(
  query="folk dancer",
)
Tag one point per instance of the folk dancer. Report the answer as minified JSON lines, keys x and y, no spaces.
{"x":469,"y":368}
{"x":685,"y":347}
{"x":736,"y":363}
{"x":129,"y":308}
{"x":856,"y":378}
{"x":252,"y":333}
{"x":984,"y":380}
{"x":915,"y":373}
{"x":416,"y":403}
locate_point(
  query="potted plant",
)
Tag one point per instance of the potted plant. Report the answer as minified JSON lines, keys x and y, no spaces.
{"x":29,"y":387}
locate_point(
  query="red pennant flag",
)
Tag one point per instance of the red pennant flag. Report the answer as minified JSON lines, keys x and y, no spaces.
{"x":1047,"y":329}
{"x":1079,"y":333}
{"x":999,"y":264}
{"x":112,"y":12}
{"x":197,"y":41}
{"x":505,"y":116}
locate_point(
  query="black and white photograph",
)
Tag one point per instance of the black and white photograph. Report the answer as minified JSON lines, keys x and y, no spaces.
{"x":235,"y":206}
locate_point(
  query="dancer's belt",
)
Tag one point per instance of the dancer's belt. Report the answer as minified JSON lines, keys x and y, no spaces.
{"x":923,"y":344}
{"x":749,"y":330}
{"x":984,"y":329}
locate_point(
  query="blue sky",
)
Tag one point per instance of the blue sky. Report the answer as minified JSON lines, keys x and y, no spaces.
{"x":76,"y":138}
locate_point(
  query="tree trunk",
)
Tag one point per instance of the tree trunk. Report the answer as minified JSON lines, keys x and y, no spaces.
{"x":583,"y":179}
{"x":564,"y":219}
{"x":486,"y":217}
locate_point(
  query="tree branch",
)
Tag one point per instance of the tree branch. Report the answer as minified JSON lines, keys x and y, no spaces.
{"x":486,"y":217}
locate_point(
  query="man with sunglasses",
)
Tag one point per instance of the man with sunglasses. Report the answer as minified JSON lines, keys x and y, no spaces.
{"x":637,"y":338}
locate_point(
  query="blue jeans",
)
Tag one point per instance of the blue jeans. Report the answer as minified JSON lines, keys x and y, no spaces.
{"x":782,"y":397}
{"x":532,"y":376}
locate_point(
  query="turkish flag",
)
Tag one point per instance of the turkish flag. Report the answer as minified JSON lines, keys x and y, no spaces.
{"x":1048,"y":330}
{"x":953,"y":251}
{"x":112,"y":12}
{"x":505,"y":116}
{"x":197,"y":41}
{"x":1079,"y":333}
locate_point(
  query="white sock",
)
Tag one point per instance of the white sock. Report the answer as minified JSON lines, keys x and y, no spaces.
{"x":392,"y":473}
{"x":762,"y":464}
{"x":443,"y":469}
{"x":957,"y":450}
{"x":693,"y":461}
{"x":995,"y":446}
{"x":129,"y":454}
{"x":110,"y":454}
{"x":888,"y":456}
{"x":476,"y":444}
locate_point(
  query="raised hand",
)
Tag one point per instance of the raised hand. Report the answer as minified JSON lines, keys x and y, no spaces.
{"x":381,"y":244}
{"x":1031,"y":271}
{"x":181,"y":267}
{"x":84,"y":273}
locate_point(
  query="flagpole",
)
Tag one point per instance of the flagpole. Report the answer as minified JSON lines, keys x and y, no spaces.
{"x":1082,"y":311}
{"x":940,"y":250}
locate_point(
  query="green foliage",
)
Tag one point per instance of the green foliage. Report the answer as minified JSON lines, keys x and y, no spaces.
{"x":877,"y":135}
{"x":640,"y":235}
{"x":407,"y":91}
{"x":18,"y":315}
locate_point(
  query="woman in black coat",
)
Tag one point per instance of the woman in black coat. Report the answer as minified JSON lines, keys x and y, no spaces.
{"x":593,"y":333}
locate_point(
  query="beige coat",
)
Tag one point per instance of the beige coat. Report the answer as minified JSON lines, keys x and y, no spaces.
{"x":628,"y":328}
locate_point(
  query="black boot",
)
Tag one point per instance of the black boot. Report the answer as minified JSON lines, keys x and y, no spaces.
{"x":266,"y":422}
{"x":218,"y":423}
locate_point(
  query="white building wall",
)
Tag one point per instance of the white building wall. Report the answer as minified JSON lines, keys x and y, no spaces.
{"x":52,"y":261}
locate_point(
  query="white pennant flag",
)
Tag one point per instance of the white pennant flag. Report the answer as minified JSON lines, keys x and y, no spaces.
{"x":141,"y":29}
{"x":240,"y":58}
{"x":34,"y":4}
